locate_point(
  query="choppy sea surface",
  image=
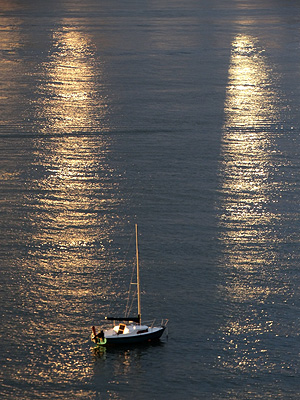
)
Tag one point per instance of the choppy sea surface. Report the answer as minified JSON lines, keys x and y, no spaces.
{"x":183,"y":117}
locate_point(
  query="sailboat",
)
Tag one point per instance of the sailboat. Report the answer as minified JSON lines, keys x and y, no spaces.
{"x":129,"y":330}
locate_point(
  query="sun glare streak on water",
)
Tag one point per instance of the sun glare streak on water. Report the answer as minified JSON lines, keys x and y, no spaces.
{"x":255,"y":281}
{"x":72,"y":181}
{"x":250,"y":109}
{"x":71,"y":99}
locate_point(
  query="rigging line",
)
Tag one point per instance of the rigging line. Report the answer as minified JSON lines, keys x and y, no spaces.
{"x":128,"y":311}
{"x":127,"y":251}
{"x":119,"y":270}
{"x":129,"y":291}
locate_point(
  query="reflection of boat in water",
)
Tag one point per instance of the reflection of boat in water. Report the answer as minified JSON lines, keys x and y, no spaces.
{"x":129,"y":330}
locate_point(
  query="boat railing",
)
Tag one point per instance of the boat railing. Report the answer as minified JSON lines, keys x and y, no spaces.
{"x":149,"y":323}
{"x":152,"y":322}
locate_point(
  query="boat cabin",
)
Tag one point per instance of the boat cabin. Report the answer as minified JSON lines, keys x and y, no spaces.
{"x":121,"y":329}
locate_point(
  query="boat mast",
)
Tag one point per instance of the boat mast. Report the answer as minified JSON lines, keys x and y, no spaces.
{"x":138,"y":273}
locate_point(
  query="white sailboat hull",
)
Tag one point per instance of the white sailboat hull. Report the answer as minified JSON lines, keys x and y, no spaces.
{"x":133,"y":336}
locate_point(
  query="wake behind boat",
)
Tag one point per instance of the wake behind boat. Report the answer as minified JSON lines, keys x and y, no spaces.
{"x":129,"y":330}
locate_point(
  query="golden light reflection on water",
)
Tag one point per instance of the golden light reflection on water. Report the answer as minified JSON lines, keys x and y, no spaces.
{"x":251,"y":100}
{"x":251,"y":110}
{"x":75,"y":187}
{"x":72,"y":99}
{"x":74,"y":181}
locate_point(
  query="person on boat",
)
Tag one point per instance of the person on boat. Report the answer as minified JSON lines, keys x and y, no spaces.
{"x":99,"y":337}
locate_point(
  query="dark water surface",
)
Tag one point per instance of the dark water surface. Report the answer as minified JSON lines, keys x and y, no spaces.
{"x":182,"y":116}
